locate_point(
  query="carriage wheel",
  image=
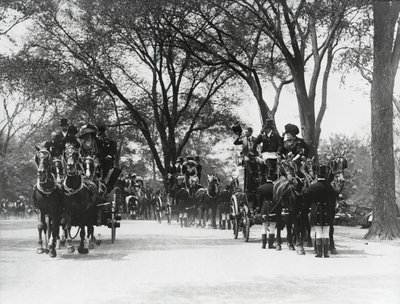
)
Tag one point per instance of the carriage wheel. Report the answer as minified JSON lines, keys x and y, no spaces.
{"x":235,"y":228}
{"x":159,"y":215}
{"x":246,"y":228}
{"x":113,"y":226}
{"x":246,"y":223}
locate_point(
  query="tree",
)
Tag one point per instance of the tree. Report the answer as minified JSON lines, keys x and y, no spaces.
{"x":124,"y":49}
{"x":273,"y":38}
{"x":386,"y":62}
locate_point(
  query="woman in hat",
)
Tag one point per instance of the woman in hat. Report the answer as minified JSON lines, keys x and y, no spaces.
{"x":87,"y":136}
{"x":293,"y":146}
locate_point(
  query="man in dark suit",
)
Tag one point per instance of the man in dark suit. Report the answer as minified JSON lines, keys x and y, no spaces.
{"x":321,"y":196}
{"x":247,"y":141}
{"x":265,"y":195}
{"x":107,"y":149}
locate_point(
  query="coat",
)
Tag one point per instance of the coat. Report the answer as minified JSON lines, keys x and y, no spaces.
{"x":296,"y":146}
{"x":270,"y":142}
{"x":266,"y":195}
{"x":321,"y":197}
{"x":247,"y":144}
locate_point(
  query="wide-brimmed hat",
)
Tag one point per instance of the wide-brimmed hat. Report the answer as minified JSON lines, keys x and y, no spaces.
{"x":292,"y":129}
{"x":87,"y":129}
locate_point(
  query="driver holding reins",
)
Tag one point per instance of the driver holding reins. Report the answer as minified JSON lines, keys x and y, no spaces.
{"x":271,"y":146}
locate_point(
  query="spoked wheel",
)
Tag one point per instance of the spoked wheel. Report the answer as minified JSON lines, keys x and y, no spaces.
{"x":235,"y":212}
{"x":246,"y":228}
{"x":235,"y":228}
{"x":246,"y":224}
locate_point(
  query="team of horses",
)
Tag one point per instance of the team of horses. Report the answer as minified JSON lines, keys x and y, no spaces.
{"x":66,"y":194}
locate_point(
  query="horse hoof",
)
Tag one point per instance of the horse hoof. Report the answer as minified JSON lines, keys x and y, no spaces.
{"x":40,"y":250}
{"x":46,"y":251}
{"x":83,"y":250}
{"x":91,"y":246}
{"x":301,"y":251}
{"x":278,"y":247}
{"x":98,"y":242}
{"x":334,"y":251}
{"x":53,"y":253}
{"x":291,"y":247}
{"x":71,"y":249}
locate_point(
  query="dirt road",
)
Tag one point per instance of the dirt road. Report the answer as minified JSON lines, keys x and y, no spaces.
{"x":153,"y":263}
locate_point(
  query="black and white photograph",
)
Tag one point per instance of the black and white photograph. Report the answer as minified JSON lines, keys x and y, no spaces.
{"x":199,"y":151}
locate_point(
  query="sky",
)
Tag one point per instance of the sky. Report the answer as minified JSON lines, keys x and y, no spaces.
{"x":347,"y":113}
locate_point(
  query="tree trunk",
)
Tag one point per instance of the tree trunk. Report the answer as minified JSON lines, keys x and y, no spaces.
{"x":306,"y":110}
{"x":384,"y":225}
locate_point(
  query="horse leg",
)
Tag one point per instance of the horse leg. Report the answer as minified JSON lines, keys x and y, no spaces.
{"x":278,"y":230}
{"x":68,"y":224}
{"x":214,"y":216}
{"x":55,"y":230}
{"x":90,"y":236}
{"x":332,"y":248}
{"x":46,"y":230}
{"x":289,"y":235}
{"x":40,"y":248}
{"x":82,"y":249}
{"x":299,"y":235}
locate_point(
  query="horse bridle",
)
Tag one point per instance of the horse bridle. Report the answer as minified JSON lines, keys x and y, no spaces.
{"x":45,"y":161}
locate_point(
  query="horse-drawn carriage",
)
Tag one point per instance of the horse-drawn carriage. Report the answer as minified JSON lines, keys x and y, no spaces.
{"x":246,"y":203}
{"x":70,"y":195}
{"x":287,"y":207}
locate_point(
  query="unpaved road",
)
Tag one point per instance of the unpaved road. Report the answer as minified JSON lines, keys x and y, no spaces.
{"x":153,"y":263}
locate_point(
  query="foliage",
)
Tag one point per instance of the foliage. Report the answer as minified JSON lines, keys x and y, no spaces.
{"x":358,"y":185}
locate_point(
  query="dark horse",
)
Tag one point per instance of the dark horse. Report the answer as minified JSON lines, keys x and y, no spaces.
{"x":335,"y":176}
{"x":47,"y":198}
{"x":79,"y":200}
{"x":224,"y":202}
{"x":287,"y":195}
{"x":207,"y":199}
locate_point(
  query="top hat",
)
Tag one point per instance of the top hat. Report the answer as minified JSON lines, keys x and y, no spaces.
{"x":64,"y":122}
{"x":102,"y":129}
{"x":269,"y":123}
{"x":322,"y":171}
{"x":237,"y":129}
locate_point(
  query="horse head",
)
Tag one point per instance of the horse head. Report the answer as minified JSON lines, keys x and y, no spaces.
{"x":71,"y":156}
{"x":309,"y":167}
{"x":288,"y":168}
{"x":213,"y":185}
{"x":89,"y":167}
{"x":336,"y":166}
{"x":43,"y":162}
{"x":234,"y":184}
